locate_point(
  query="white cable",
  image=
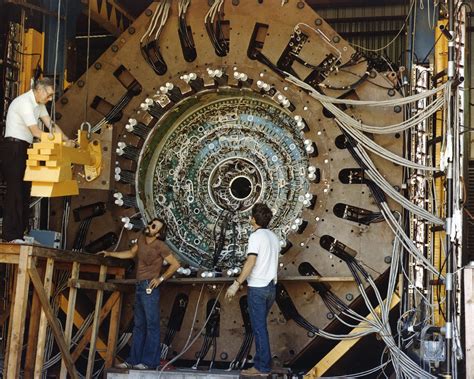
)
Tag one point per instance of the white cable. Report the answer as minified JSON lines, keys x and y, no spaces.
{"x":369,"y":103}
{"x":381,"y":151}
{"x":378,"y":179}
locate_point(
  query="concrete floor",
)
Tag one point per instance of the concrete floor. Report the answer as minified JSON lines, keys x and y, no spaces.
{"x":185,"y":374}
{"x":175,"y":374}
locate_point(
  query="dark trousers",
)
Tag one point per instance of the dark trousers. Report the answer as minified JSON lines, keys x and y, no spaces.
{"x":146,"y":329}
{"x":16,"y":205}
{"x":260,"y":300}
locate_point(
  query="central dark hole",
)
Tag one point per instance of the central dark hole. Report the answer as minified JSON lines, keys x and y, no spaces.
{"x":241,"y":188}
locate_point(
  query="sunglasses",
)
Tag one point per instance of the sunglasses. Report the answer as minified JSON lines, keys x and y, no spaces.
{"x":153,"y":226}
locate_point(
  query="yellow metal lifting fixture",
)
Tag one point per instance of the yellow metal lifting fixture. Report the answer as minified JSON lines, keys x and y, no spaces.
{"x":49,"y":164}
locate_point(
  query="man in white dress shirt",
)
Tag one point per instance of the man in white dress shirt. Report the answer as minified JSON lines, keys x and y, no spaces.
{"x":22,"y":125}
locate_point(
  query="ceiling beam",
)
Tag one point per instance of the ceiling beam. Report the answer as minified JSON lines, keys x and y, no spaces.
{"x":352,"y":3}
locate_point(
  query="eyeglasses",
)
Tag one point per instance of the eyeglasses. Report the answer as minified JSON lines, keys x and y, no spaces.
{"x":50,"y":94}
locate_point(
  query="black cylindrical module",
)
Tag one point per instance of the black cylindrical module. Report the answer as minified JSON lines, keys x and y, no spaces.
{"x":102,"y":243}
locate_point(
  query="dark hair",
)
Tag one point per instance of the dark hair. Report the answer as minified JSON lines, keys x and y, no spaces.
{"x":262,"y":214}
{"x":163,"y":230}
{"x":43,"y":82}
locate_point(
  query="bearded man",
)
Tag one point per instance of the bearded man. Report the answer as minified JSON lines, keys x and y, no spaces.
{"x":149,"y":252}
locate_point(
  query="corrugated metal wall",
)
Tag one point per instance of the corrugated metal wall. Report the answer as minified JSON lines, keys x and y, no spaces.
{"x":370,"y":27}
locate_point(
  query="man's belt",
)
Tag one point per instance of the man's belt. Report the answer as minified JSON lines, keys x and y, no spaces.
{"x":13,"y":139}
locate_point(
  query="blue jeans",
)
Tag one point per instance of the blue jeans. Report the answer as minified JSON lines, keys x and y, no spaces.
{"x":146,"y":329}
{"x":260,"y":300}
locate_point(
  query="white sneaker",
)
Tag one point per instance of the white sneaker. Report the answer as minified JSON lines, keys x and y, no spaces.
{"x":18,"y":241}
{"x":141,"y":366}
{"x":124,"y":365}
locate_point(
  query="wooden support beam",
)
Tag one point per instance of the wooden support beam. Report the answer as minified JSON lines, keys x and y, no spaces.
{"x":81,"y":345}
{"x":53,"y":322}
{"x":69,"y":256}
{"x":226,"y":279}
{"x":33,"y":328}
{"x":11,"y":259}
{"x":89,"y":268}
{"x":113,"y":330}
{"x":91,"y":285}
{"x":78,"y":321}
{"x":71,"y":306}
{"x":10,"y":319}
{"x":18,"y":314}
{"x":43,"y":324}
{"x":343,"y":347}
{"x":95,"y":324}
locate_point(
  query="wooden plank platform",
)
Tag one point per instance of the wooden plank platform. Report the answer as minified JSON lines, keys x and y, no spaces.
{"x":10,"y":250}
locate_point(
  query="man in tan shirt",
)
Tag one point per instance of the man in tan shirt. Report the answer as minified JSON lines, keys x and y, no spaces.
{"x":149,"y":251}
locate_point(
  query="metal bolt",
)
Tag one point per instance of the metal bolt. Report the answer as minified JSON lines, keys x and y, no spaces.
{"x":64,"y":100}
{"x":391,"y":92}
{"x":397,"y":108}
{"x":387,"y":259}
{"x":131,"y":30}
{"x":224,"y":355}
{"x":329,"y":315}
{"x":115,"y":48}
{"x":80,"y":83}
{"x":97,"y":65}
{"x":235,"y":2}
{"x":148,"y":12}
{"x":349,"y":297}
{"x":336,"y":39}
{"x":300,"y":5}
{"x":318,"y":21}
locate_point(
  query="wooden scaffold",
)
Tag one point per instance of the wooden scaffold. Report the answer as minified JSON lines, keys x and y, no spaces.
{"x":31,"y":283}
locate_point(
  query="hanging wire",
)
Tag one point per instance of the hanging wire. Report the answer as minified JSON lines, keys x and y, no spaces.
{"x":53,"y":106}
{"x":412,"y":5}
{"x":86,"y":103}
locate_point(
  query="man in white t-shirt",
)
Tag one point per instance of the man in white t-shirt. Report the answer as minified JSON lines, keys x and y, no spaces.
{"x":22,"y":125}
{"x":260,"y":270}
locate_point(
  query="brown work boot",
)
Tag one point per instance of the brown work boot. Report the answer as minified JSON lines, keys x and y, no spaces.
{"x":253,"y":372}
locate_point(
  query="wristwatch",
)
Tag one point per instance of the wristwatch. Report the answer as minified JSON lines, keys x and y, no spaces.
{"x":162,"y":279}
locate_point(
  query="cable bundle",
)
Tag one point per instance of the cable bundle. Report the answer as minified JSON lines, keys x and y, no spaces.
{"x":175,"y":321}
{"x":149,"y":43}
{"x":379,"y":323}
{"x":214,"y":28}
{"x":241,"y":357}
{"x":80,"y":240}
{"x":114,"y":112}
{"x":355,"y":214}
{"x":289,"y":311}
{"x":185,"y":33}
{"x":190,"y":341}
